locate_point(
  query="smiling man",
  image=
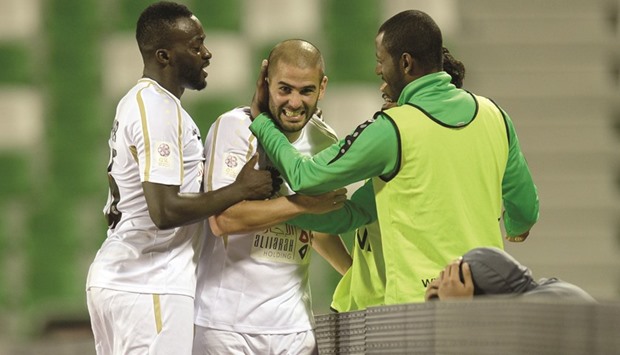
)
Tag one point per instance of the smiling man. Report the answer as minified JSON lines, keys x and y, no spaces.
{"x":141,"y":284}
{"x":253,"y":294}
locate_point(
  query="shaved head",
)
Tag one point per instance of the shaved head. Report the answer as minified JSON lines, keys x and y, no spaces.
{"x":296,"y":80}
{"x":296,"y":52}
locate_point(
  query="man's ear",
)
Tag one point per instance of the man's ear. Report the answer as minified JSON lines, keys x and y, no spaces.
{"x":162,"y":56}
{"x":407,"y":63}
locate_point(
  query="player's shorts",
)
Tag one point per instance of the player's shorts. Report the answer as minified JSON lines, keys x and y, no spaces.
{"x":215,"y":342}
{"x":140,"y":323}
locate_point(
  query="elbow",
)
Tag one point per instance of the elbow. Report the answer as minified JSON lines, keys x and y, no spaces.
{"x":161,"y":219}
{"x":162,"y":223}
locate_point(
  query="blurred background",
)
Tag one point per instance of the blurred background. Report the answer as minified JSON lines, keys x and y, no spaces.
{"x":553,"y":65}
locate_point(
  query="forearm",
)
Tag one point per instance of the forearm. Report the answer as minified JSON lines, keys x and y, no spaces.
{"x":333,"y":250}
{"x":521,"y":215}
{"x":519,"y":192}
{"x":358,"y":211}
{"x":250,"y":216}
{"x":169,"y":208}
{"x":348,"y":218}
{"x":247,"y":216}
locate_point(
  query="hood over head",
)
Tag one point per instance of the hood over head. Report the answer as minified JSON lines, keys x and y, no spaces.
{"x":496,"y":272}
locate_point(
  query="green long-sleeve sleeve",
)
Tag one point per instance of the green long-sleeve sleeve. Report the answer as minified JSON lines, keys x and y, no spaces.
{"x":371,"y":150}
{"x":358,"y":211}
{"x":519,"y":193}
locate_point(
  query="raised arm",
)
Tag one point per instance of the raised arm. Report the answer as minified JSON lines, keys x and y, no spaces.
{"x":371,"y":150}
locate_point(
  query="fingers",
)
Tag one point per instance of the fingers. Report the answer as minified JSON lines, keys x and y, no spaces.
{"x":262,"y":76}
{"x":467,"y":279}
{"x":253,"y":160}
{"x":263,"y":68}
{"x":260,"y":98}
{"x":432,"y":293}
{"x":452,"y":270}
{"x":341,"y":191}
{"x":340,"y":195}
{"x":337,"y":198}
{"x":519,"y":238}
{"x":262,"y":73}
{"x":276,"y":183}
{"x":432,"y":290}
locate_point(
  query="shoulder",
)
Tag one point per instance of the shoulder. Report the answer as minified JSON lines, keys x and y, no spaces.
{"x":316,"y":125}
{"x":239,"y":117}
{"x":232,"y":127}
{"x":559,"y":290}
{"x":380,"y":122}
{"x":149,"y":92}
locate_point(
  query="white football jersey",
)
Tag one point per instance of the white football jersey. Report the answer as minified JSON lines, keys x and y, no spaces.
{"x":255,"y":282}
{"x":153,"y":139}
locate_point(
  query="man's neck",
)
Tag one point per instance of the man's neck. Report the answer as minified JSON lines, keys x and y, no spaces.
{"x":292,"y":136}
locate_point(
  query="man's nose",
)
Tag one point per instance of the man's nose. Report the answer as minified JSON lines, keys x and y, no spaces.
{"x":295,"y":100}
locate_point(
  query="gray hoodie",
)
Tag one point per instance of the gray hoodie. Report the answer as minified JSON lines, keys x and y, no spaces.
{"x":496,"y":272}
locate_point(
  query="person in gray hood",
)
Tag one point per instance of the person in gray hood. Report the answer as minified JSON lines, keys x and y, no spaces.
{"x":492,"y":271}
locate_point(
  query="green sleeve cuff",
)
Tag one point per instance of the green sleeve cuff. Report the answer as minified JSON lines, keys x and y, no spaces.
{"x":261,"y":121}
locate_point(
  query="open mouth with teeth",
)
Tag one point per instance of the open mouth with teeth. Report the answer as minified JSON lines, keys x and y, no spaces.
{"x":293,"y":114}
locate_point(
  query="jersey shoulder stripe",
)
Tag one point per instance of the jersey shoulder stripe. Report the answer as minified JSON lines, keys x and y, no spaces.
{"x":350,"y":139}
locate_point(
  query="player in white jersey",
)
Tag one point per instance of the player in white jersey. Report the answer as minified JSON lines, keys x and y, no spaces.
{"x":253,"y":294}
{"x":141,"y":284}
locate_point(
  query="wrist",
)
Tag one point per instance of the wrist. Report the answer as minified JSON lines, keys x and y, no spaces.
{"x":296,"y":207}
{"x":254,"y":112}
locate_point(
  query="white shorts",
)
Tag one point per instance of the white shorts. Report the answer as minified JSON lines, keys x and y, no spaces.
{"x":216,"y":342}
{"x":127,"y":323}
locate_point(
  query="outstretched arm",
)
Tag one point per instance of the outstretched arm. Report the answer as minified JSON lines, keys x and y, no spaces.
{"x":371,"y":150}
{"x":169,"y":208}
{"x":248,"y":216}
{"x":358,"y":211}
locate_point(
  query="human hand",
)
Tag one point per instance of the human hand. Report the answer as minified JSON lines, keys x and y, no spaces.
{"x":519,"y":238}
{"x":260,"y":100}
{"x":432,"y":291}
{"x":450,"y":284}
{"x":319,"y":204}
{"x":255,"y":184}
{"x":276,"y":179}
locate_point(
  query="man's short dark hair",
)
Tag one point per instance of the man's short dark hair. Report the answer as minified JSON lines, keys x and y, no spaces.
{"x":416,"y":33}
{"x":155,"y":24}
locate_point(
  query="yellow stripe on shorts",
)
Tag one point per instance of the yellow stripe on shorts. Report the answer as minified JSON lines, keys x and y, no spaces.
{"x":157,"y":310}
